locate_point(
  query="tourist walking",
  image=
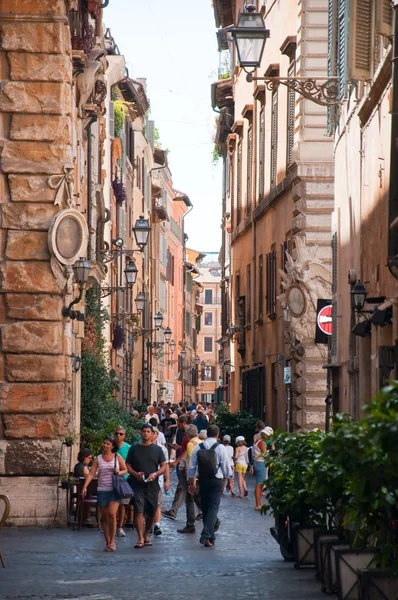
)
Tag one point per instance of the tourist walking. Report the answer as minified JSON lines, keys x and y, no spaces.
{"x":241,"y":464}
{"x":201,"y":421}
{"x":122,"y":448}
{"x":167,"y":424}
{"x":164,"y":482}
{"x":180,"y":447}
{"x":230,"y":451}
{"x":258,"y":452}
{"x":106,"y":464}
{"x":190,"y":499}
{"x":211,"y":460}
{"x":145,"y":463}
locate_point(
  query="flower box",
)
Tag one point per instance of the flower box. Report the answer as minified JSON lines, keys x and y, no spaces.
{"x":378,"y":584}
{"x":347,"y":564}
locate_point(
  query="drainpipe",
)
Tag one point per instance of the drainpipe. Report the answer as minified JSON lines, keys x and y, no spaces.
{"x":392,"y":261}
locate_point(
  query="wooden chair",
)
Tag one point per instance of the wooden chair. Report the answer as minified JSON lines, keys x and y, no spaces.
{"x":4,"y":512}
{"x":89,"y":500}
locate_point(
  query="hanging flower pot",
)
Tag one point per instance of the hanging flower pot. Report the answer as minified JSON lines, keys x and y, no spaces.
{"x":119,"y":190}
{"x":118,"y":337}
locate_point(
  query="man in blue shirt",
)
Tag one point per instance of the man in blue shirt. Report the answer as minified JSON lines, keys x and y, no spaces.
{"x":210,"y":486}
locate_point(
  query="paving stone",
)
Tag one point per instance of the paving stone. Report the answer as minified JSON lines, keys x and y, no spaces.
{"x":245,"y":564}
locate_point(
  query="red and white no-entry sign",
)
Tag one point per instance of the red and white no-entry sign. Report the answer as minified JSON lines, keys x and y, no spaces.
{"x":324,"y":319}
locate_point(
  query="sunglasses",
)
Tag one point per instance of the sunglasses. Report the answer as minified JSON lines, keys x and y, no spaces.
{"x":119,"y":433}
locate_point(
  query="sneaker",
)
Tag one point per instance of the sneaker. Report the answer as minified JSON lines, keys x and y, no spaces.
{"x":120,"y":532}
{"x":245,"y":493}
{"x":199,"y":517}
{"x":169,"y":514}
{"x":186,"y":530}
{"x":157,"y":530}
{"x":217,"y":525}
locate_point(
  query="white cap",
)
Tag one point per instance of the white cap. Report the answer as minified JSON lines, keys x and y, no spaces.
{"x":226,"y":438}
{"x":267,"y":430}
{"x":240,"y":438}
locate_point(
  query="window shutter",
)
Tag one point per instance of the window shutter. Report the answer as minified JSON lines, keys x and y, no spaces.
{"x":332,"y":58}
{"x":172,"y":270}
{"x":249,"y":170}
{"x":274,"y":137}
{"x":342,"y":44}
{"x":168,"y":268}
{"x":384,"y":17}
{"x":360,"y":39}
{"x":260,"y":286}
{"x":111,"y":119}
{"x":291,"y":97}
{"x":239,"y":186}
{"x":261,"y":154}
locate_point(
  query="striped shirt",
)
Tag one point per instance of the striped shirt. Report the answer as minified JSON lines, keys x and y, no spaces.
{"x":105,"y":472}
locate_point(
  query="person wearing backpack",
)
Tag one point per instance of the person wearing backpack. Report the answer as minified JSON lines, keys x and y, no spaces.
{"x":212,"y":462}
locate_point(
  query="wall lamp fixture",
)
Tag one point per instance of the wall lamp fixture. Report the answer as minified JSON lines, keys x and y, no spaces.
{"x":167,"y":337}
{"x":131,"y":277}
{"x":76,"y":362}
{"x":250,"y":36}
{"x":81,"y":270}
{"x":232,"y":333}
{"x":141,"y":232}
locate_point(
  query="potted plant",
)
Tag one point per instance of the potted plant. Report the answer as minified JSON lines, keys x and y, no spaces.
{"x":289,"y":494}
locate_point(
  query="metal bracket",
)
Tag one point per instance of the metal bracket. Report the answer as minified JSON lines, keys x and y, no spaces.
{"x":324,"y":94}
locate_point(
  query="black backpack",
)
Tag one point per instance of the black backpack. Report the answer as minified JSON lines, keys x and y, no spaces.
{"x":207,"y":463}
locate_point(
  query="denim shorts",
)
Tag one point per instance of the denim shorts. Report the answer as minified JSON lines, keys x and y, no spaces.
{"x":259,"y":471}
{"x":104,"y":497}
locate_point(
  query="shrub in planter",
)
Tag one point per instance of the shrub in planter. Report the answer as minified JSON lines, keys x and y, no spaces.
{"x":236,"y":423}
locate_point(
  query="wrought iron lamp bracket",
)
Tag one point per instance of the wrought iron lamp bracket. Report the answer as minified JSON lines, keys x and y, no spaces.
{"x":111,"y":255}
{"x":107,"y":291}
{"x":323,"y":91}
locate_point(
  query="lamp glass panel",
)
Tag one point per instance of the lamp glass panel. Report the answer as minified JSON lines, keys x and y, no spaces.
{"x":140,"y":301}
{"x":131,"y":273}
{"x":250,"y":48}
{"x":81,"y":270}
{"x":141,"y":232}
{"x":172,"y":346}
{"x":158,"y":319}
{"x":167,"y":334}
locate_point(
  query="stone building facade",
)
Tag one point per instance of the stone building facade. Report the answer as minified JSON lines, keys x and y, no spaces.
{"x":277,"y":203}
{"x":52,"y":209}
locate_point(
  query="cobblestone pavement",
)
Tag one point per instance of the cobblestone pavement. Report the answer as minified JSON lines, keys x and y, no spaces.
{"x":245,"y":564}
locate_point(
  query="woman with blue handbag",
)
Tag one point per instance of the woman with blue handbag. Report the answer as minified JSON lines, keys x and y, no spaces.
{"x":106,"y":465}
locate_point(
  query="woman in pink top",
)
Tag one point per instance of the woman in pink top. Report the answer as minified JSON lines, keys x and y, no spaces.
{"x":106,"y":464}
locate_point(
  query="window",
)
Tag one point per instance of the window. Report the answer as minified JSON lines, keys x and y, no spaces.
{"x":260,"y":287}
{"x":249,"y":170}
{"x":208,"y":344}
{"x":271,"y":284}
{"x":237,"y":294}
{"x":209,"y":373}
{"x":208,"y":319}
{"x":261,"y":153}
{"x":129,"y":143}
{"x":208,"y":296}
{"x":239,"y":186}
{"x":274,"y":138}
{"x":248,"y":295}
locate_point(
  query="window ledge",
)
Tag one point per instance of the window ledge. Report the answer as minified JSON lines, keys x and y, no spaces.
{"x":259,"y":321}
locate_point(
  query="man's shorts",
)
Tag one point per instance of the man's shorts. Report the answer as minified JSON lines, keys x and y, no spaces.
{"x":125,"y":501}
{"x":161,"y":496}
{"x":145,"y":499}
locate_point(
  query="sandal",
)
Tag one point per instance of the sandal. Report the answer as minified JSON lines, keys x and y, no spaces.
{"x":147,"y":543}
{"x":112,"y":547}
{"x":139,"y":545}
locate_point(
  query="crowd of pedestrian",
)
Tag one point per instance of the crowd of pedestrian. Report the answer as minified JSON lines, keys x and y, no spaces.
{"x":187,"y":438}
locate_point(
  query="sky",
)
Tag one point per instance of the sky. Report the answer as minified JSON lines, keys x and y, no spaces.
{"x":173,"y":45}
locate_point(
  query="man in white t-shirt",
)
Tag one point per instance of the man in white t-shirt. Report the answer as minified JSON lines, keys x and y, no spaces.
{"x":230,"y":451}
{"x":161,"y":441}
{"x":151,"y":414}
{"x":164,"y":482}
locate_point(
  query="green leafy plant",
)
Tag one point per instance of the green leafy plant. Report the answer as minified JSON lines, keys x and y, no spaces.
{"x":100,"y":411}
{"x":236,"y":423}
{"x":287,"y":485}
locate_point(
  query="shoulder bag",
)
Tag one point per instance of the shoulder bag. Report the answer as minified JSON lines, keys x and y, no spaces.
{"x":120,"y":485}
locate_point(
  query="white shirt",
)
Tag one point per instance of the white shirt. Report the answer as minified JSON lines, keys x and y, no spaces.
{"x":152,"y":416}
{"x":161,"y":439}
{"x":230,"y":452}
{"x":223,"y":462}
{"x":166,"y":458}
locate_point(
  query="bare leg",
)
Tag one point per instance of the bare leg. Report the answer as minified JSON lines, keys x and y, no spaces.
{"x":257,"y":494}
{"x":139,"y":525}
{"x":148,"y":527}
{"x":122,"y":515}
{"x":231,"y":485}
{"x":105,"y":524}
{"x":158,"y":514}
{"x":112,"y":511}
{"x":240,"y":484}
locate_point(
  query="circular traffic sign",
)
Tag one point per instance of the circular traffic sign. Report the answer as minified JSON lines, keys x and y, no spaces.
{"x":324,"y":319}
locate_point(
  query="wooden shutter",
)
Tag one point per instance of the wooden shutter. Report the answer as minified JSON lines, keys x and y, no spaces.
{"x":248,"y":295}
{"x":342,"y":44}
{"x":384,"y":17}
{"x":332,"y":111}
{"x":274,"y":137}
{"x":111,"y":119}
{"x":239,"y":186}
{"x":172,"y":270}
{"x":249,"y":170}
{"x":260,"y":287}
{"x":261,"y":153}
{"x":291,"y":97}
{"x":168,"y":267}
{"x":360,"y":39}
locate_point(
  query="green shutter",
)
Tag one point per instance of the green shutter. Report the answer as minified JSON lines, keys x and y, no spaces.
{"x":332,"y":111}
{"x":342,"y":46}
{"x":360,"y":39}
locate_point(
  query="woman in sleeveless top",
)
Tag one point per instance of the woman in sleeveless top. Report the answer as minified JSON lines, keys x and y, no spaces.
{"x":106,"y":464}
{"x":259,"y":448}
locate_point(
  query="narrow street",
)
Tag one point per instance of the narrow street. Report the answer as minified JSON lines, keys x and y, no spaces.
{"x":246,"y":563}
